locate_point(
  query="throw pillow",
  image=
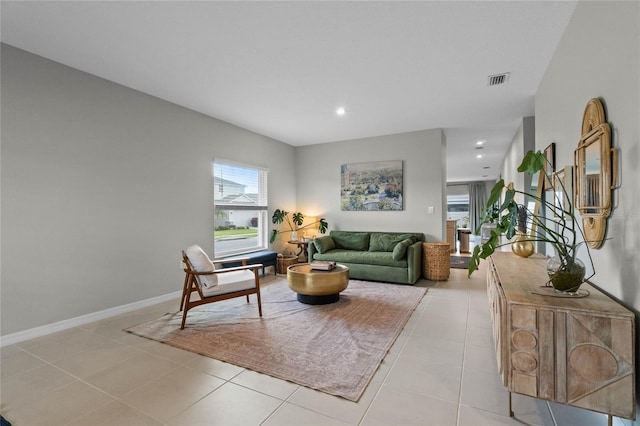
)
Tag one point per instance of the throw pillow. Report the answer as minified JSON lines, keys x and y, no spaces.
{"x":382,"y":241}
{"x":351,"y":240}
{"x":200,"y":262}
{"x":400,"y":249}
{"x":324,"y":244}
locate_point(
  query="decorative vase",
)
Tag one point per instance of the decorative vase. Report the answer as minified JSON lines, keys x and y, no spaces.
{"x":294,"y":236}
{"x":522,"y":246}
{"x":565,"y":273}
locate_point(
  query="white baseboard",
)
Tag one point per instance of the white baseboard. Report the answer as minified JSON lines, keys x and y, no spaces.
{"x":32,"y":333}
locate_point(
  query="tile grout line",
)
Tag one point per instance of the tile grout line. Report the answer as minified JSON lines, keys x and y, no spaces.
{"x":464,"y":358}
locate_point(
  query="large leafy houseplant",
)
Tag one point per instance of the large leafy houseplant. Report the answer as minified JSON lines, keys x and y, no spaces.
{"x":566,"y":270}
{"x":294,"y":222}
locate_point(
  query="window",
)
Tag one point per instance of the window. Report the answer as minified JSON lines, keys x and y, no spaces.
{"x":458,"y":209}
{"x":240,"y":208}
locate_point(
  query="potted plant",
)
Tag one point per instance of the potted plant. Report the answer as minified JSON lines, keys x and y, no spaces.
{"x":566,"y":271}
{"x":294,"y":223}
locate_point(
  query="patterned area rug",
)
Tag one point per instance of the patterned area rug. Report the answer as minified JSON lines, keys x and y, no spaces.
{"x":333,"y":348}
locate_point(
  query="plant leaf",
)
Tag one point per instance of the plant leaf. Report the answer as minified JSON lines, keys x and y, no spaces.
{"x":278,"y":216}
{"x":474,"y":261}
{"x":322,"y":227}
{"x":532,"y":162}
{"x":508,"y":198}
{"x":496,"y":192}
{"x":298,"y":218}
{"x":512,"y":219}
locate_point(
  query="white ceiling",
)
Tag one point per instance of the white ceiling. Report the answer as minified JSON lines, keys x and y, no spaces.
{"x":282,"y":68}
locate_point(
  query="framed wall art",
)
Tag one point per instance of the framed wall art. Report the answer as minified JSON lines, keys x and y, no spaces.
{"x":549,"y":165}
{"x":375,"y":186}
{"x":563,"y":193}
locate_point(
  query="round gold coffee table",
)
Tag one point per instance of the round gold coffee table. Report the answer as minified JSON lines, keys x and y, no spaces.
{"x":316,"y":287}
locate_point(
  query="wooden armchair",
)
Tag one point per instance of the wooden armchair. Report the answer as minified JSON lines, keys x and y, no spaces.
{"x":213,"y":284}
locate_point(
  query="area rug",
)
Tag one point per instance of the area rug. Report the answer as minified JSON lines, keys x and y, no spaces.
{"x":333,"y":348}
{"x":461,"y":262}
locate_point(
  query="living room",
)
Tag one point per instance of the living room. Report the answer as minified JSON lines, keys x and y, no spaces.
{"x":102,"y":185}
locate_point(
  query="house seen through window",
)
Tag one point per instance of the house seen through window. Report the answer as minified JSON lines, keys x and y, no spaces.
{"x":240,"y":208}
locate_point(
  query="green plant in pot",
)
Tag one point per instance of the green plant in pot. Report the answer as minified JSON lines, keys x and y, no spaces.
{"x":294,"y":222}
{"x":566,"y":271}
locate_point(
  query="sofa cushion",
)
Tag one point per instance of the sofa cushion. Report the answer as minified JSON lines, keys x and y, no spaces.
{"x":200,"y":262}
{"x":351,"y":240}
{"x":400,"y":250}
{"x":324,"y":244}
{"x":382,"y":241}
{"x":362,"y":257}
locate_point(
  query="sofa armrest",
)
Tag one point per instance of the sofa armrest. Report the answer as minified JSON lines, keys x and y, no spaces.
{"x":414,"y":261}
{"x":311,"y":251}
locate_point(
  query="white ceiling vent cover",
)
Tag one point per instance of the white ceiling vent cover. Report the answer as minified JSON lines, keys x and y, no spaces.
{"x":497,"y":79}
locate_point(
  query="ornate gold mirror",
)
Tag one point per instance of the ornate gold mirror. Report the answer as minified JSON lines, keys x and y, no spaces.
{"x":596,"y":170}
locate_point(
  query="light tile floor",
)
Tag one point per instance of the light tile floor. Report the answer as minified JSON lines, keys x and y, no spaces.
{"x":441,"y":371}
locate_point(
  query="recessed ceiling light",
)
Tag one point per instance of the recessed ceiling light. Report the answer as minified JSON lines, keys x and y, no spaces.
{"x":479,"y":156}
{"x":341,"y":111}
{"x":480,"y":143}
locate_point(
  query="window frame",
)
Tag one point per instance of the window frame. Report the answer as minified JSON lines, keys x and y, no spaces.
{"x":261,"y":205}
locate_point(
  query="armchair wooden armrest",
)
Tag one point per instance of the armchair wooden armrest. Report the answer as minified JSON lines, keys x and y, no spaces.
{"x":222,"y":271}
{"x":239,"y":268}
{"x":244,"y":260}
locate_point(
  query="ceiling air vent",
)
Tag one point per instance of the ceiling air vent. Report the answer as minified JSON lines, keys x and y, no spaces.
{"x":497,"y":79}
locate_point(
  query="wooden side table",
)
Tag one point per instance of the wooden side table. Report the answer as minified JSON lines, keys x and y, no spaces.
{"x":302,"y":249}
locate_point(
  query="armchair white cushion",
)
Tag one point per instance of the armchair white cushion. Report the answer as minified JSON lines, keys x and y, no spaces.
{"x":230,"y":282}
{"x":201,"y":263}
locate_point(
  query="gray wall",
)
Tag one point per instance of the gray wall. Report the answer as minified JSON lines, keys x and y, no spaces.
{"x":101,"y":188}
{"x":458,"y":189}
{"x":598,"y":57}
{"x":462,"y":188}
{"x":522,"y":142}
{"x":422,"y":153}
{"x":103,"y":185}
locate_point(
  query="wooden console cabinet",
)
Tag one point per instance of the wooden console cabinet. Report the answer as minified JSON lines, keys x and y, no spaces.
{"x":575,"y":351}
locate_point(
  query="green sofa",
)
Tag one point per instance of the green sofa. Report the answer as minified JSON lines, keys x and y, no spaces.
{"x":394,"y":257}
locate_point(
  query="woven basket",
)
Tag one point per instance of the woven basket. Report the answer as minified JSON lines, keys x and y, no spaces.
{"x":437,"y":261}
{"x":284,"y":262}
